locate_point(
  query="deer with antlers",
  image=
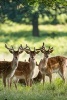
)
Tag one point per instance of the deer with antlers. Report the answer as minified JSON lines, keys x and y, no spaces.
{"x":25,"y":69}
{"x":7,"y":69}
{"x":47,"y":65}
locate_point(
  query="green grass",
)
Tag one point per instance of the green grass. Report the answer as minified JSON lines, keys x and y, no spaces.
{"x":55,"y":91}
{"x":52,"y":35}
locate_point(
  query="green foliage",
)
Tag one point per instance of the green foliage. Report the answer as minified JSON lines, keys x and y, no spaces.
{"x":25,"y":11}
{"x":18,"y":11}
{"x":59,"y":82}
{"x":36,"y":92}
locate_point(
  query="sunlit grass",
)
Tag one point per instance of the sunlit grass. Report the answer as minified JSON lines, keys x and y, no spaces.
{"x":52,"y":35}
{"x":53,"y":28}
{"x":14,"y":27}
{"x":54,"y":91}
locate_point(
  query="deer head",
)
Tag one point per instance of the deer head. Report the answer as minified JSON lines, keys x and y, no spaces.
{"x":15,"y":52}
{"x":43,"y":62}
{"x":46,"y":52}
{"x":32,"y":53}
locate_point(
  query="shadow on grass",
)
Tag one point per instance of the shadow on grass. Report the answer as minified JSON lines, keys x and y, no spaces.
{"x":27,"y":35}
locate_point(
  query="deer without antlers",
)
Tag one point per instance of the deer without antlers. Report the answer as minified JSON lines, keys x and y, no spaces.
{"x":8,"y":68}
{"x":25,"y":69}
{"x":47,"y":66}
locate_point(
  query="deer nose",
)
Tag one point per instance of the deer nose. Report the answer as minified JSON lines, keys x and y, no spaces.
{"x":42,"y":69}
{"x":47,"y":56}
{"x":16,"y":57}
{"x":33,"y":58}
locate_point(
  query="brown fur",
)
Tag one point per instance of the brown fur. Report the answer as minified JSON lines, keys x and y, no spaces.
{"x":35,"y":80}
{"x":25,"y":69}
{"x":7,"y":69}
{"x":55,"y":63}
{"x":4,"y":66}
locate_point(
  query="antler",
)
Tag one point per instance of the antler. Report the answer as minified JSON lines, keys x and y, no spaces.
{"x":50,"y":49}
{"x":10,"y":49}
{"x":43,"y":46}
{"x":21,"y":48}
{"x":36,"y":50}
{"x":27,"y":49}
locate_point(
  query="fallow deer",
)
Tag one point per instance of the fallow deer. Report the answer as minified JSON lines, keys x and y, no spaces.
{"x":47,"y":65}
{"x":36,"y":79}
{"x":7,"y":69}
{"x":25,"y":69}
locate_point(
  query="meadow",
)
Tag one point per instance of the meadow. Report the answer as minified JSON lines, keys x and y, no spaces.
{"x":55,"y":91}
{"x":52,"y":35}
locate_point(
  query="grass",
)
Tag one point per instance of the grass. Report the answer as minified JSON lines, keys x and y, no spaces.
{"x":54,"y":91}
{"x":52,"y":35}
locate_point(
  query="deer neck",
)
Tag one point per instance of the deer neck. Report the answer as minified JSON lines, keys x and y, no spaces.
{"x":43,"y":65}
{"x":32,"y":63}
{"x":45,"y":60}
{"x":14,"y":63}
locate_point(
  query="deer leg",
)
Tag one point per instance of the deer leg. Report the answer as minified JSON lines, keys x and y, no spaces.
{"x":43,"y":76}
{"x":4,"y":81}
{"x":15,"y":84}
{"x":31,"y":81}
{"x":62,"y":76}
{"x":26,"y":81}
{"x":8,"y":82}
{"x":50,"y":78}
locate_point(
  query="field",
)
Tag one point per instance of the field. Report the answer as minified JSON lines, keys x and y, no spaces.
{"x":55,"y":91}
{"x":52,"y":35}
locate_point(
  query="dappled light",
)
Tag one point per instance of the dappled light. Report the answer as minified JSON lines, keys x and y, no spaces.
{"x":33,"y":49}
{"x":21,"y":34}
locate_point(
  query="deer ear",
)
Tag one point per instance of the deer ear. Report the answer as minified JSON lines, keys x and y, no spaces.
{"x":28,"y":52}
{"x":29,"y":59}
{"x":37,"y":52}
{"x":42,"y":51}
{"x":37,"y":64}
{"x":50,"y":51}
{"x":20,"y":52}
{"x":11,"y":51}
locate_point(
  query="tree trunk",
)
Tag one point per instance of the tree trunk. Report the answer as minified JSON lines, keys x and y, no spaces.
{"x":35,"y":31}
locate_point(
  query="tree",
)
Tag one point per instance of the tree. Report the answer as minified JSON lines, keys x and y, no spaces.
{"x":18,"y":10}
